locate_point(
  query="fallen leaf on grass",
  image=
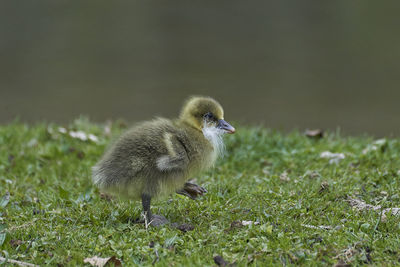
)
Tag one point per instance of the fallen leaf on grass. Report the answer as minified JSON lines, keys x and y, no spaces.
{"x":324,"y":187}
{"x":348,"y":255}
{"x":234,"y":225}
{"x":315,"y":134}
{"x":100,"y":262}
{"x":333,"y":157}
{"x":361,"y":205}
{"x":249,"y":223}
{"x":284,"y":177}
{"x":15,"y":242}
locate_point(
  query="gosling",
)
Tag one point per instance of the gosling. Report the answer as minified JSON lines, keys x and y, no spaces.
{"x":156,"y":158}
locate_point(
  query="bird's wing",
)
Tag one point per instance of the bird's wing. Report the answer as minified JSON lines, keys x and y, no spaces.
{"x":176,"y":157}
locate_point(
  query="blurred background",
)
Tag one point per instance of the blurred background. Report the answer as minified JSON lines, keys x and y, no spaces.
{"x":282,"y":64}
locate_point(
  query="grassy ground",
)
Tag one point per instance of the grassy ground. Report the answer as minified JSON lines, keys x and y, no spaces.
{"x":297,"y":200}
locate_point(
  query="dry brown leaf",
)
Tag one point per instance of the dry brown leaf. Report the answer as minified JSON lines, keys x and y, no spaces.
{"x":16,"y":242}
{"x":284,"y":177}
{"x":324,"y":187}
{"x":347,"y":255}
{"x":315,"y":134}
{"x":100,"y":262}
{"x":361,"y":205}
{"x":236,"y":224}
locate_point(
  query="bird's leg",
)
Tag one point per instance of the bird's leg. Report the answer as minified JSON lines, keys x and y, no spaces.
{"x":146,"y":199}
{"x":152,"y":219}
{"x":192,"y":190}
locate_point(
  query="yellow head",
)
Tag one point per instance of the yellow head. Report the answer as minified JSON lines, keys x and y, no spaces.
{"x":200,"y":111}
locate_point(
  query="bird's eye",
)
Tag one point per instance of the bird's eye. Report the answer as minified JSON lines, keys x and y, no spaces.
{"x":208,"y":116}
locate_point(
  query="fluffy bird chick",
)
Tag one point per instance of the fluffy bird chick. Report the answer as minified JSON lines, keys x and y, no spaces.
{"x":156,"y":158}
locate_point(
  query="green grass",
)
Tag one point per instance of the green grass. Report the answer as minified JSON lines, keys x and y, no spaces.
{"x":55,"y":216}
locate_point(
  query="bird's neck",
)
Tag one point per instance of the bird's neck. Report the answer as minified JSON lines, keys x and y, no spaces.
{"x":187,"y":125}
{"x":201,"y":149}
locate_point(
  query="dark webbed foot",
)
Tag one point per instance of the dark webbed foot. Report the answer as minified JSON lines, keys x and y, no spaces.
{"x":192,"y":190}
{"x":151,"y":219}
{"x":155,"y":220}
{"x":158,"y":220}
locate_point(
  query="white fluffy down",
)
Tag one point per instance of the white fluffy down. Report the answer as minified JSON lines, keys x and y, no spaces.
{"x":215,"y":136}
{"x":212,"y":134}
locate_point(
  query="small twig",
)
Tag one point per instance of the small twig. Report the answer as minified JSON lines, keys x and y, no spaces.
{"x":20,"y":263}
{"x":324,"y":227}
